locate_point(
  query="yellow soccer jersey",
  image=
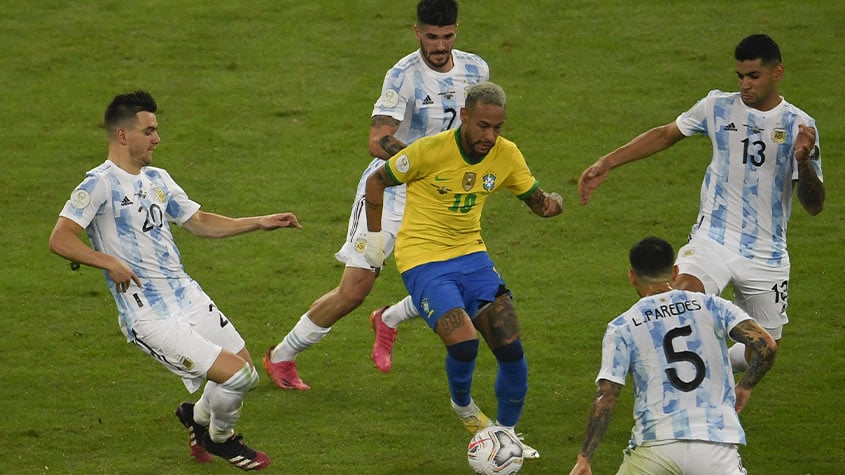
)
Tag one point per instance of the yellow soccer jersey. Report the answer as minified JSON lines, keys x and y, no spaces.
{"x":446,"y":194}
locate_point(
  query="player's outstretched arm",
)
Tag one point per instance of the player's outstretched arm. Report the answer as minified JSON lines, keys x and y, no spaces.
{"x":545,"y":204}
{"x":646,"y":144}
{"x":212,"y":225}
{"x":763,"y":349}
{"x":600,"y":414}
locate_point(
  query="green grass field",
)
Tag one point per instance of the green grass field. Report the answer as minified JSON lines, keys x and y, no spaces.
{"x":264,"y":107}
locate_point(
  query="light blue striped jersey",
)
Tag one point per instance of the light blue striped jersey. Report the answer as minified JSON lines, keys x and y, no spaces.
{"x":127,"y":216}
{"x":673,"y":345}
{"x":746,"y":195}
{"x":426,"y":102}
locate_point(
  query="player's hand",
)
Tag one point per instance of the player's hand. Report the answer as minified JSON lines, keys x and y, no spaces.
{"x":590,"y":179}
{"x":804,"y":142}
{"x":553,"y":205}
{"x":280,"y":220}
{"x":742,"y":396}
{"x":122,"y":275}
{"x":582,"y":467}
{"x":374,"y":250}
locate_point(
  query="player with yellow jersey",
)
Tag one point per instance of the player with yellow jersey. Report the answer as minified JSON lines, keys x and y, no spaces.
{"x":442,"y":257}
{"x":448,"y":188}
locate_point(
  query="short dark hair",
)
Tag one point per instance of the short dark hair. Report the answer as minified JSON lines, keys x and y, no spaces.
{"x":758,"y":46}
{"x":437,"y":12}
{"x":652,"y":258}
{"x":124,"y":107}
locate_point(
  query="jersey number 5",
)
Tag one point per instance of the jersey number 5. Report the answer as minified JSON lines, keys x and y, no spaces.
{"x":674,"y":356}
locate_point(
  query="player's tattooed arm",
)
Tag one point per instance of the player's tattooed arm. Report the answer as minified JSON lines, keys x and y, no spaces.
{"x":378,"y":181}
{"x":762,"y":348}
{"x":382,"y":142}
{"x":391,"y":144}
{"x":810,"y":189}
{"x":602,"y":410}
{"x":544,"y":204}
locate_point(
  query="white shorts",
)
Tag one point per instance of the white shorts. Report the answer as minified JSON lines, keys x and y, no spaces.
{"x":352,"y":251}
{"x":687,"y":457}
{"x":188,"y":344}
{"x":759,"y":288}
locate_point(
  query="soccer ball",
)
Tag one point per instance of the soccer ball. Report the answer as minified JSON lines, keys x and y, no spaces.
{"x":495,"y":450}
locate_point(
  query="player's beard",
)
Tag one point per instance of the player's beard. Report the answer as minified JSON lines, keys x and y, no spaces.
{"x":430,"y":59}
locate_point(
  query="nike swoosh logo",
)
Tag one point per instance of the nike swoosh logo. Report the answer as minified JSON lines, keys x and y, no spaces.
{"x":437,"y":178}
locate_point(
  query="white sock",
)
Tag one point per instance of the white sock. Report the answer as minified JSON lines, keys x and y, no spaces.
{"x":399,"y":312}
{"x":226,"y":400}
{"x":304,"y":334}
{"x":737,"y":354}
{"x":202,"y":408}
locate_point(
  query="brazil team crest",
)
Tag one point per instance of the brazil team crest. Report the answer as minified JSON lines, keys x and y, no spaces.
{"x":489,"y":181}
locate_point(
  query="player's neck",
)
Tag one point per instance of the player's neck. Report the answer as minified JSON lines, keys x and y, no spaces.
{"x":125,"y":163}
{"x":654,"y":289}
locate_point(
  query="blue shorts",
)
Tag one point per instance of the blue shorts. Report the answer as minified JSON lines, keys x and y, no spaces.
{"x":467,"y":282}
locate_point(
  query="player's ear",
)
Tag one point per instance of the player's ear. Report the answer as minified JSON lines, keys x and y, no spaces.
{"x":778,"y":72}
{"x":121,"y":136}
{"x":632,"y":278}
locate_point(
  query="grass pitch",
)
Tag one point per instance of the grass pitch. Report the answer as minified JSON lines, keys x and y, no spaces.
{"x":264,"y":107}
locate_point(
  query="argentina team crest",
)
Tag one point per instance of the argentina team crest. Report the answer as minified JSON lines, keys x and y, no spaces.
{"x":489,"y":181}
{"x":779,"y":135}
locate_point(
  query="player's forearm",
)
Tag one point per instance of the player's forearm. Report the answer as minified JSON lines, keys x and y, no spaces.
{"x":373,"y":203}
{"x":545,"y":204}
{"x":383,"y":144}
{"x":762,"y":347}
{"x":810,"y":189}
{"x":391,"y":145}
{"x":215,"y":226}
{"x":70,"y":247}
{"x":600,"y":415}
{"x":644,"y":145}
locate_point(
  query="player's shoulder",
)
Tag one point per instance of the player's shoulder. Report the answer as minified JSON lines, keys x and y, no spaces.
{"x":445,"y":137}
{"x":102,"y":169}
{"x":468,"y":57}
{"x":718,"y":94}
{"x":154,"y":172}
{"x":792,"y":108}
{"x":408,"y":62}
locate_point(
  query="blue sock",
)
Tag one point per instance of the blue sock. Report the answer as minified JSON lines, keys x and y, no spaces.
{"x":460,"y":364}
{"x":511,"y":387}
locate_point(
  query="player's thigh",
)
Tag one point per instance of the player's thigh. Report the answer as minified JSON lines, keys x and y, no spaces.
{"x":707,"y":261}
{"x":434,"y":289}
{"x":763,"y":291}
{"x":708,"y":458}
{"x":211,"y":323}
{"x":650,"y":460}
{"x":178,"y":347}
